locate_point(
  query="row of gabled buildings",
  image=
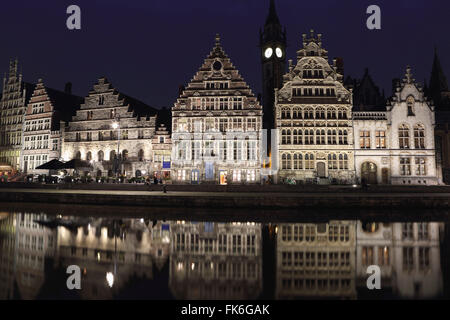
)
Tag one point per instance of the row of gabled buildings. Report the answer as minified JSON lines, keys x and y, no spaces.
{"x":328,"y":129}
{"x":39,"y":124}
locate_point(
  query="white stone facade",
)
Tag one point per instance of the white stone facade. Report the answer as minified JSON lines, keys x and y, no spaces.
{"x":216,"y":126}
{"x":396,"y":146}
{"x":408,"y":255}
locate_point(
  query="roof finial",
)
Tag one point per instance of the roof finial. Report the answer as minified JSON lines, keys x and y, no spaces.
{"x":217,"y":40}
{"x":408,"y":76}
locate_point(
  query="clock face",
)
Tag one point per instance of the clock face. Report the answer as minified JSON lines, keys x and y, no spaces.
{"x":279,"y":52}
{"x":268,"y":53}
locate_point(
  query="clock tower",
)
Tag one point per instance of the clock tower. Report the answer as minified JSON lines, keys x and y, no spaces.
{"x":272,"y":45}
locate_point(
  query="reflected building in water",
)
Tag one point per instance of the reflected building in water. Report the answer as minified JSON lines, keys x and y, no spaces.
{"x":216,"y":260}
{"x":122,"y":249}
{"x":25,"y":246}
{"x":211,"y":260}
{"x":316,"y":260}
{"x":7,"y":255}
{"x":408,"y":255}
{"x":35,"y":244}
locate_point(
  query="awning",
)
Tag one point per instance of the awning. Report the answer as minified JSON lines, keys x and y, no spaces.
{"x":51,"y":165}
{"x":76,"y":164}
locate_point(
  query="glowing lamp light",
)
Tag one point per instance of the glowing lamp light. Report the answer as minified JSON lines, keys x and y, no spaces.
{"x":110,"y":279}
{"x":115,"y":125}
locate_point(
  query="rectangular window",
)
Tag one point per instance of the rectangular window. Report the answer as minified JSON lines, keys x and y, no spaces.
{"x":367,"y":256}
{"x":407,"y":231}
{"x":251,"y":124}
{"x":364,"y":139}
{"x":424,"y":258}
{"x":408,"y":258}
{"x":420,"y":166}
{"x":383,"y":256}
{"x":380,"y":139}
{"x":405,"y":166}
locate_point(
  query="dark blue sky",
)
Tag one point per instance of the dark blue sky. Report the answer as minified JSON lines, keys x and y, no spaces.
{"x":147,"y":48}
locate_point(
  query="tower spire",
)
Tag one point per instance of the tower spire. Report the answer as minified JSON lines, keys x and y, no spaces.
{"x":272,"y":18}
{"x":438,"y":82}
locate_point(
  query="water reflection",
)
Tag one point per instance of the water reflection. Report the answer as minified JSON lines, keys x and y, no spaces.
{"x":140,"y":258}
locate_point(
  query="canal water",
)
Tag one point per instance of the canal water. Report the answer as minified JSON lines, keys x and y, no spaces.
{"x":128,"y":255}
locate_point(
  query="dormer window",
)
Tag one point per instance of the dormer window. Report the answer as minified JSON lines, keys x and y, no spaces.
{"x":101,"y":100}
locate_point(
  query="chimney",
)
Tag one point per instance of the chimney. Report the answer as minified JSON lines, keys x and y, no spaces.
{"x":68,"y":88}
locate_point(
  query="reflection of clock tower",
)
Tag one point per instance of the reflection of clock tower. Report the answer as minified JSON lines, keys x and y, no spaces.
{"x":273,"y":57}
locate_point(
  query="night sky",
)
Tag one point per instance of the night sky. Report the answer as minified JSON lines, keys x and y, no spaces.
{"x":148,"y":48}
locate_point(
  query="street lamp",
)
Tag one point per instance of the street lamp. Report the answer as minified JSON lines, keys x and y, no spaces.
{"x":116,"y":126}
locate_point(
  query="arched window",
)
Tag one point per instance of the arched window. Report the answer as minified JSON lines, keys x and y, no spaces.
{"x":345,"y":137}
{"x":288,"y":137}
{"x":141,"y":155}
{"x":410,"y":105}
{"x":297,"y":136}
{"x":289,"y":161}
{"x":100,"y":155}
{"x":285,"y":114}
{"x":309,"y":113}
{"x":343,"y":161}
{"x":307,"y":140}
{"x":342,"y":114}
{"x":125,"y":155}
{"x":331,"y":113}
{"x":283,"y":136}
{"x":309,"y":161}
{"x":403,"y":136}
{"x":341,"y":137}
{"x":419,"y":136}
{"x":78,"y":155}
{"x":320,"y":113}
{"x":298,"y":161}
{"x":89,"y":156}
{"x":332,"y":162}
{"x":112,"y":155}
{"x":284,"y":161}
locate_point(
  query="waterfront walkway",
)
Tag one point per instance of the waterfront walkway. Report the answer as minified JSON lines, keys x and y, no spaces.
{"x":350,"y":198}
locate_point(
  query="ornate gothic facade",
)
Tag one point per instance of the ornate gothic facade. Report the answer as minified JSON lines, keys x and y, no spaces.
{"x":216,"y":126}
{"x":313,"y":117}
